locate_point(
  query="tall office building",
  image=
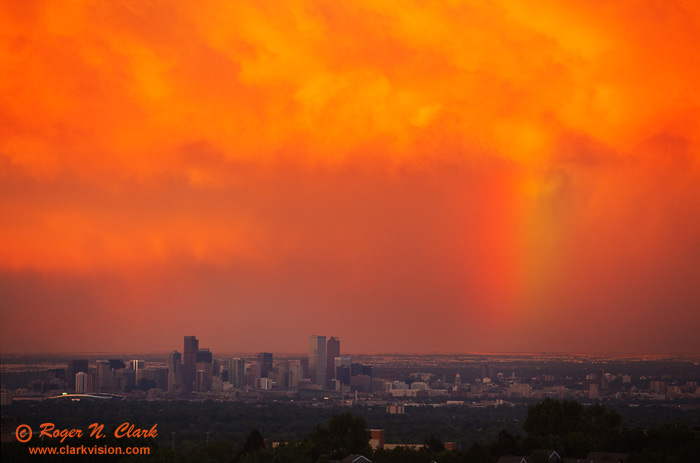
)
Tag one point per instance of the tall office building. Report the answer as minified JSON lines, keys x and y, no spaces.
{"x":174,"y":373}
{"x":236,"y":372}
{"x":283,"y":374}
{"x":137,"y":366}
{"x":189,"y":364}
{"x":204,"y":370}
{"x":105,"y":376}
{"x":342,"y":366}
{"x":204,"y":376}
{"x":81,"y":382}
{"x":252,"y":375}
{"x":204,"y":355}
{"x":296,"y":373}
{"x":265,"y":361}
{"x":332,"y":351}
{"x":74,"y":367}
{"x":317,"y":359}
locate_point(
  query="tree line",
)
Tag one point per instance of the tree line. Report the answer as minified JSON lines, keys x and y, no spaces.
{"x":569,"y":427}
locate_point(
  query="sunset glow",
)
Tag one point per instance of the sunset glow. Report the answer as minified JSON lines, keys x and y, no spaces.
{"x":408,"y":176}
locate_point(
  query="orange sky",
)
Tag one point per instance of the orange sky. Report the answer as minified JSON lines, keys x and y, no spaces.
{"x":408,"y":176}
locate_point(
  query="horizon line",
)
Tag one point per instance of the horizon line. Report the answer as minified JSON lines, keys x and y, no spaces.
{"x":487,"y":353}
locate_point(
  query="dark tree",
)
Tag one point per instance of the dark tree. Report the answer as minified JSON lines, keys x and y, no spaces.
{"x":345,"y":434}
{"x":253,"y":443}
{"x":477,"y":453}
{"x":506,"y":444}
{"x":433,"y":445}
{"x":399,"y":455}
{"x":572,"y":428}
{"x":289,"y":453}
{"x":551,"y":417}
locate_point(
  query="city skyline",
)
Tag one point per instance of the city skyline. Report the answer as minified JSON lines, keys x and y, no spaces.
{"x":202,"y":371}
{"x":494,"y":177}
{"x":409,"y":397}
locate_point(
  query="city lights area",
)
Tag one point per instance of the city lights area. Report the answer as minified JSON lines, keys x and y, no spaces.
{"x":476,"y":406}
{"x":326,"y":376}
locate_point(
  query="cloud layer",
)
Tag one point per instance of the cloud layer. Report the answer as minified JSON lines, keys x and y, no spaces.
{"x":460,"y":176}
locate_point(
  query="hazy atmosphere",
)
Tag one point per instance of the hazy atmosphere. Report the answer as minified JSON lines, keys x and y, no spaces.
{"x":469,"y":176}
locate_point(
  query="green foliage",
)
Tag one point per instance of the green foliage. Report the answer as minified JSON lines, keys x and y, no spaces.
{"x":538,"y":456}
{"x":570,"y":427}
{"x":423,"y":455}
{"x":478,"y":453}
{"x":398,"y":454}
{"x":345,"y":434}
{"x":506,"y":444}
{"x":290,"y":453}
{"x":551,"y":417}
{"x":433,"y":445}
{"x":253,"y":443}
{"x":159,"y":455}
{"x":667,"y":437}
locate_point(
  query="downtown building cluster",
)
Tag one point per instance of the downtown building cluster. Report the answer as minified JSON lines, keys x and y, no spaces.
{"x":197,"y":370}
{"x":393,"y":380}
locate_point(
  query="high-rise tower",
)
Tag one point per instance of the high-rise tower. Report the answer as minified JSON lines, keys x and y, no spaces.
{"x":236,"y":372}
{"x":332,"y":351}
{"x":81,"y":382}
{"x":189,"y":364}
{"x":174,"y":373}
{"x":74,"y":367}
{"x":265,"y":361}
{"x":317,"y":359}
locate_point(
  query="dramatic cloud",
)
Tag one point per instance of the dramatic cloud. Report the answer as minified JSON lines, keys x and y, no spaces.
{"x":418,"y":177}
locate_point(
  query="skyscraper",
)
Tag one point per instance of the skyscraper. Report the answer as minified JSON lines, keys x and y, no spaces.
{"x":174,"y":373}
{"x":81,"y":382}
{"x":75,"y":366}
{"x":342,"y":366}
{"x":296,"y":372}
{"x":189,"y":364}
{"x":332,"y":351}
{"x":204,"y":355}
{"x":236,"y":372}
{"x":317,"y":359}
{"x":265,"y":361}
{"x":204,"y":370}
{"x":137,"y":366}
